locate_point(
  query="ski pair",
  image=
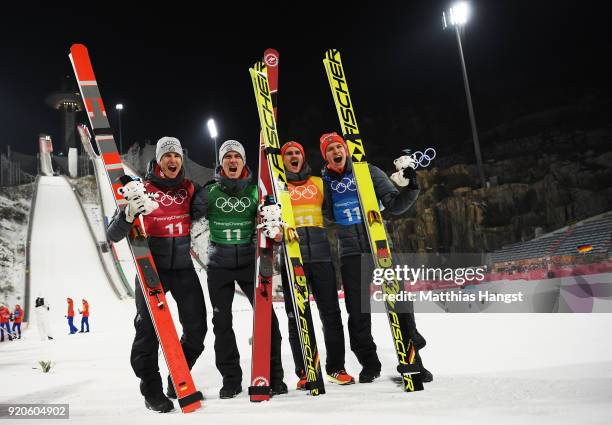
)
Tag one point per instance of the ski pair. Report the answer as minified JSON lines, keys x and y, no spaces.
{"x":273,"y":189}
{"x":188,"y":397}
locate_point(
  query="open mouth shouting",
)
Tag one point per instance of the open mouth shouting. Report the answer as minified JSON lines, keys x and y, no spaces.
{"x":335,"y":155}
{"x":232,"y":165}
{"x":171,"y":165}
{"x":293,"y":159}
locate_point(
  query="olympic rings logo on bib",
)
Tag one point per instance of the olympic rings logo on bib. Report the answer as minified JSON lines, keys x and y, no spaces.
{"x":233,"y":204}
{"x":171,"y":197}
{"x":303,"y":192}
{"x":343,"y":185}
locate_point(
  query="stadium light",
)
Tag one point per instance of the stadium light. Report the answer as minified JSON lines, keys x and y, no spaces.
{"x":212,"y":131}
{"x":457,"y":16}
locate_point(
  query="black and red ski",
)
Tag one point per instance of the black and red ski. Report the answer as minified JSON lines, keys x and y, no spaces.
{"x":262,"y":301}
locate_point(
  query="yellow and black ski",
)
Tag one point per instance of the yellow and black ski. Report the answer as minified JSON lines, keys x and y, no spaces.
{"x":379,"y":243}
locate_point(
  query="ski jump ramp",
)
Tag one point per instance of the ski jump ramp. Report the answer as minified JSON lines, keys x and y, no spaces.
{"x":64,"y":260}
{"x":45,"y":147}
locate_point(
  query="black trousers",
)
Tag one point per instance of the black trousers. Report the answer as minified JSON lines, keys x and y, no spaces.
{"x":357,"y":296}
{"x":221,"y":289}
{"x":321,"y":280}
{"x":186,"y":290}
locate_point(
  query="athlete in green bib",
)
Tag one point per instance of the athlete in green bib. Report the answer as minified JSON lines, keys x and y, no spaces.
{"x":231,"y":204}
{"x":231,"y":216}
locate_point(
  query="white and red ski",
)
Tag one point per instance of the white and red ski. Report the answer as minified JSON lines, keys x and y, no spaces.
{"x":188,"y":397}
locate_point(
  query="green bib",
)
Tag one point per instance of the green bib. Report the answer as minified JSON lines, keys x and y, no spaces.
{"x":231,"y":218}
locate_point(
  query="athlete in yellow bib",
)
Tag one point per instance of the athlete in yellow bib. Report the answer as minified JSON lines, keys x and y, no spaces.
{"x":307,"y":202}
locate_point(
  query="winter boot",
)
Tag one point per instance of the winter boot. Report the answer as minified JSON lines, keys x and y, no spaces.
{"x":230,"y":391}
{"x":159,"y":403}
{"x":368,"y":375}
{"x":278,"y":388}
{"x":170,"y":392}
{"x":426,"y":376}
{"x":154,"y":396}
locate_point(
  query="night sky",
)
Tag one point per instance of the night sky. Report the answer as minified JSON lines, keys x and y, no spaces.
{"x":173,"y":67}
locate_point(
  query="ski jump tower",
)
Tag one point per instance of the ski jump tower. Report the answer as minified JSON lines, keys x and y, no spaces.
{"x":68,"y":102}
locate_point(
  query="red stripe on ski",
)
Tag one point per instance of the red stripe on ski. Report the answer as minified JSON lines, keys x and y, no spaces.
{"x":111,"y":158}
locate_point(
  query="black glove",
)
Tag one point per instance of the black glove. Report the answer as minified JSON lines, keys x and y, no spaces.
{"x":410,"y":173}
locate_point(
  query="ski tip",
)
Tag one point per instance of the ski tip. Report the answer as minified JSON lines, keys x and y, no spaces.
{"x":77,"y":46}
{"x":81,"y":63}
{"x":332,"y":54}
{"x":259,"y":66}
{"x":271,"y":57}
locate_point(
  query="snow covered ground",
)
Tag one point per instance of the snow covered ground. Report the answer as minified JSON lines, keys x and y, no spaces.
{"x":540,"y":369}
{"x":489,"y":368}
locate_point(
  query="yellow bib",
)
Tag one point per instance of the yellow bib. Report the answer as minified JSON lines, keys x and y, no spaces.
{"x":307,"y":202}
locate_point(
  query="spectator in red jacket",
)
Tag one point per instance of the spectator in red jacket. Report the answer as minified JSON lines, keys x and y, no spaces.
{"x":17,"y":319}
{"x":5,"y":315}
{"x":70,"y":316}
{"x":84,"y":316}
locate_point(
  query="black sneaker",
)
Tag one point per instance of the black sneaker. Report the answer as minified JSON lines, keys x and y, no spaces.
{"x":230,"y":391}
{"x":171,"y":393}
{"x":278,"y":388}
{"x":368,"y":375}
{"x":159,"y":403}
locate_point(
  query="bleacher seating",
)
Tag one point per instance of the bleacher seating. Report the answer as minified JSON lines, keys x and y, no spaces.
{"x":596,"y":232}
